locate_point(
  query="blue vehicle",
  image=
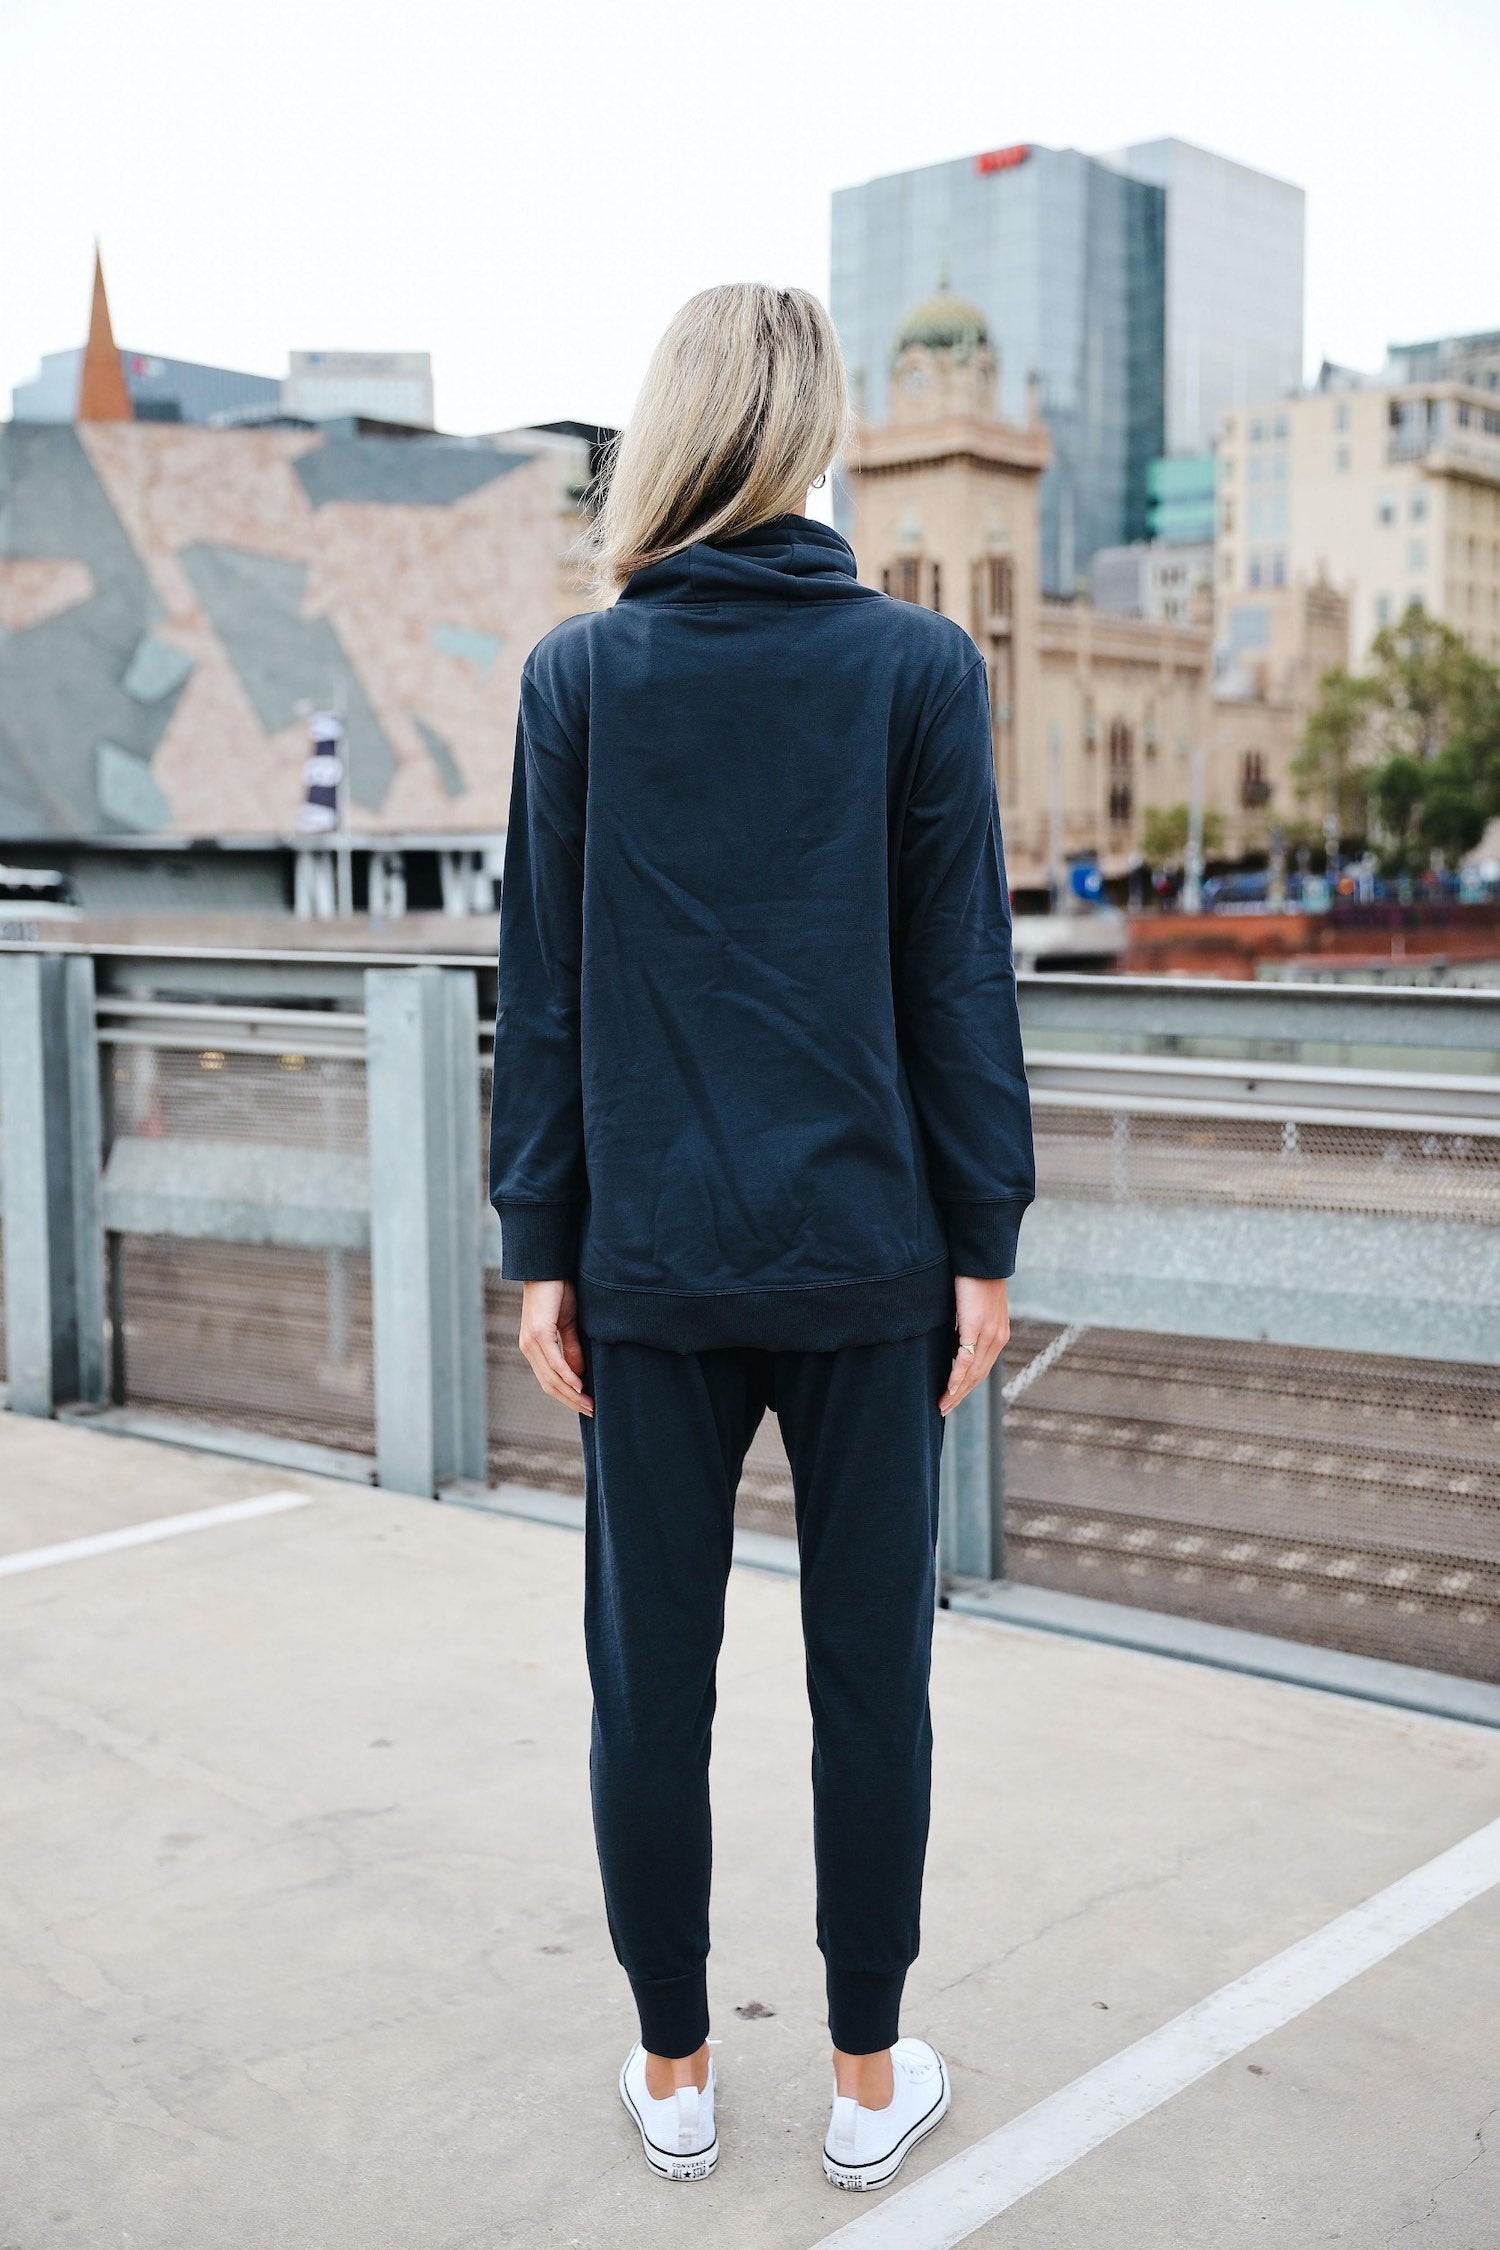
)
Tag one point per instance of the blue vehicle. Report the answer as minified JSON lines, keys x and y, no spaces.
{"x":1247,"y":889}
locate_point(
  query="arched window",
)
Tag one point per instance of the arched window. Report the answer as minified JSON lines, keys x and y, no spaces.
{"x":1121,"y":773}
{"x":1255,"y":789}
{"x":999,"y":581}
{"x":904,"y":579}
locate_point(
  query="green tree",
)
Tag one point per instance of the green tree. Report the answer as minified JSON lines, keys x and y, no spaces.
{"x":1329,"y":768}
{"x":1164,"y":834}
{"x":1409,"y":751}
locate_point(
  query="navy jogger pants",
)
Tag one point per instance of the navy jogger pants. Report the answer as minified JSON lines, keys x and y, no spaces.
{"x":662,"y":1460}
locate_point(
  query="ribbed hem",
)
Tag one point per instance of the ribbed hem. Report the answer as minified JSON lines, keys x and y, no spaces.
{"x":864,"y":2009}
{"x":538,"y":1241}
{"x":673,"y":2013}
{"x":982,"y":1237}
{"x":822,"y":1319}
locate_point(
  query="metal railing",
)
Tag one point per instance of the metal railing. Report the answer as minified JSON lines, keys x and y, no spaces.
{"x":1256,"y":1367}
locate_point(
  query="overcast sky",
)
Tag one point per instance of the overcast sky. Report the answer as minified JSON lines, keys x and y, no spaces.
{"x":527,"y":191}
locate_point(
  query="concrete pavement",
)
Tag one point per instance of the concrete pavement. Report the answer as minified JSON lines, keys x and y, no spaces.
{"x":301,"y":1945}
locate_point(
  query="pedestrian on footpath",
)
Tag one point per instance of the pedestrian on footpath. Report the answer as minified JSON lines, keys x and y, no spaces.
{"x":760,"y":1142}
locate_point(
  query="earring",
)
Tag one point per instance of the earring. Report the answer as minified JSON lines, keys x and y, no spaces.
{"x":819,"y":481}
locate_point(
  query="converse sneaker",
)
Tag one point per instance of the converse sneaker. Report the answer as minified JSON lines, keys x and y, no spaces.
{"x":677,"y":2134}
{"x":867,"y":2147}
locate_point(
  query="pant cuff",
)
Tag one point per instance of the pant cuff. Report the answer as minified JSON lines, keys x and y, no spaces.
{"x":864,"y":2009}
{"x":673,"y":2013}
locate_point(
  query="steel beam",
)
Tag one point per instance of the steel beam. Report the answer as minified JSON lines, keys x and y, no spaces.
{"x":428,"y":1305}
{"x":1352,"y":1281}
{"x":971,"y":1490}
{"x":49,"y":1183}
{"x":238,"y":1191}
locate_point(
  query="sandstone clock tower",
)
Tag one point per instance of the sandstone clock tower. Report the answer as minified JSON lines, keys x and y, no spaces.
{"x":945,"y":497}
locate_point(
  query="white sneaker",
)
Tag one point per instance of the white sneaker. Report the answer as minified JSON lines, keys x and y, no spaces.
{"x":677,"y":2134}
{"x":867,"y":2147}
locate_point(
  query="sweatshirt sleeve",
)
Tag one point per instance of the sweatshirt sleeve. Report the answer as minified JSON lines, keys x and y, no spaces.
{"x":538,"y":1182}
{"x":956,"y":989}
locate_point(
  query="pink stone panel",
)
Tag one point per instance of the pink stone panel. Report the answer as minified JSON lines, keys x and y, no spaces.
{"x":32,"y":589}
{"x":497,"y":563}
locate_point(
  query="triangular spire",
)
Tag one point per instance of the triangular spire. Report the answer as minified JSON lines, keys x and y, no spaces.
{"x":102,"y":395}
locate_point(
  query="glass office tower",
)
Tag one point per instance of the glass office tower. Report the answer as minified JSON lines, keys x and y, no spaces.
{"x":1234,"y":285}
{"x":1066,"y":258}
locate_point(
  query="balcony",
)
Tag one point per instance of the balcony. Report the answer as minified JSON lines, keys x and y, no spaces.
{"x":297,"y":1844}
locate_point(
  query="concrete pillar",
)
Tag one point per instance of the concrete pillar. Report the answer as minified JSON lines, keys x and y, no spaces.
{"x":971,"y":1518}
{"x":427,"y":1290}
{"x":50,"y":1158}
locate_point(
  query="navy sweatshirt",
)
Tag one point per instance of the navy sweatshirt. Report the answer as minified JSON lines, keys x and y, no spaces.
{"x":758,"y":1074}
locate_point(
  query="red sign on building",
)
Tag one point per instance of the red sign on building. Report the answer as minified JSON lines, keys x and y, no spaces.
{"x":1003,"y":159}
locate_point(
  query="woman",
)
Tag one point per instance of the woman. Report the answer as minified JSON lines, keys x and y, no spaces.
{"x":760,"y":1141}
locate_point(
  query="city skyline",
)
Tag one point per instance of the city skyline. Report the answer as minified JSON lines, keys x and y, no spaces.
{"x":530,"y":203}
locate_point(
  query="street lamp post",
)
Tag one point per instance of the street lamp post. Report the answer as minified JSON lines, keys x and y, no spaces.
{"x":1331,"y":840}
{"x":1192,"y":873}
{"x":1056,"y":868}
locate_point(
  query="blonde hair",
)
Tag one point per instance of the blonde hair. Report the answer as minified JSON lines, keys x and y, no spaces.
{"x":745,"y":403}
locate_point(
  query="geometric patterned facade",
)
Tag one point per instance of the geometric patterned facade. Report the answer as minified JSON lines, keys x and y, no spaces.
{"x":169,"y":595}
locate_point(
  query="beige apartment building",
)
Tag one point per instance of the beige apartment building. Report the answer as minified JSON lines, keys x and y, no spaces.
{"x":1095,"y":716}
{"x":1390,"y":494}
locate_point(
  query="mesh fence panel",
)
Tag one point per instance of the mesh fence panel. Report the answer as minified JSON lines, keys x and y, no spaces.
{"x":1099,"y":1156}
{"x":1321,"y":1495}
{"x":260,"y":1339}
{"x":271,"y":1339}
{"x":296,"y":1100}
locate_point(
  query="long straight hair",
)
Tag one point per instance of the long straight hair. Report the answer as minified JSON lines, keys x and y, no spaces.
{"x":745,"y":403}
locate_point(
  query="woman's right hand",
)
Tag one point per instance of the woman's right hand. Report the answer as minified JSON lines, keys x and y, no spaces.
{"x":550,"y":1341}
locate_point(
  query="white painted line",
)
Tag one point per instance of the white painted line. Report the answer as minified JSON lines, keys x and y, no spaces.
{"x":974,"y":2187}
{"x":141,"y":1534}
{"x":1048,"y":1356}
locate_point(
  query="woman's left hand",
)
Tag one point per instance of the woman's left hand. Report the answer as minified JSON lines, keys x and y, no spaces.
{"x":982,"y":1316}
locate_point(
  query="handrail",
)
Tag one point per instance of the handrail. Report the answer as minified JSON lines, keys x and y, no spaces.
{"x":1250,"y":995}
{"x":121,"y":1004}
{"x":1409,"y":1100}
{"x":369,"y":957}
{"x":1282,"y":1113}
{"x":184,"y":1026}
{"x":185,"y":1042}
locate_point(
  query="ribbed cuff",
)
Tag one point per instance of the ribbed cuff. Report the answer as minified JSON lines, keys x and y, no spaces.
{"x":864,"y":2009}
{"x":673,"y":2013}
{"x":538,"y":1241}
{"x":982,"y":1237}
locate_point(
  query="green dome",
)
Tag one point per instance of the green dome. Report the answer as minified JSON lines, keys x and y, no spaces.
{"x":944,"y":322}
